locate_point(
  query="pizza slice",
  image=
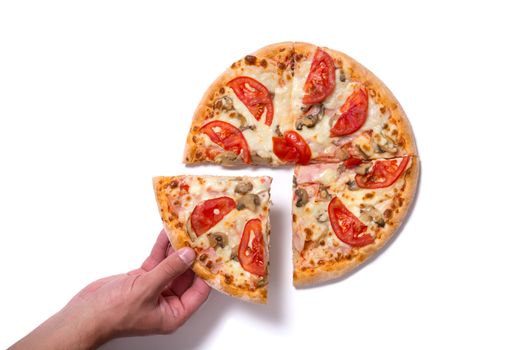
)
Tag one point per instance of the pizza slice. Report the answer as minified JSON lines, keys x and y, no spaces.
{"x":345,"y":212}
{"x":226,"y":221}
{"x":340,"y":110}
{"x":240,"y":113}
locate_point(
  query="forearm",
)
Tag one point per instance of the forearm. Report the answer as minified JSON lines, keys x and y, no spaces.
{"x":64,"y":330}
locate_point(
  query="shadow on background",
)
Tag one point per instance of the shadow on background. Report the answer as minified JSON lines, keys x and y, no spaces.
{"x":202,"y":325}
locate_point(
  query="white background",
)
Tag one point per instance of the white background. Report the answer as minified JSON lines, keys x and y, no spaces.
{"x":96,"y":97}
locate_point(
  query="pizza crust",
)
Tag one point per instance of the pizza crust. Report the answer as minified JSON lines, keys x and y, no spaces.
{"x":179,"y":238}
{"x":333,"y":270}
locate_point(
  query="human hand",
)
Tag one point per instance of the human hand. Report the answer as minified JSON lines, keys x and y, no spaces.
{"x":156,"y":298}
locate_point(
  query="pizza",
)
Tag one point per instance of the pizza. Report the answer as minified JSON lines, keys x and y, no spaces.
{"x":356,"y":163}
{"x":296,"y":103}
{"x":226,"y":221}
{"x":342,"y":213}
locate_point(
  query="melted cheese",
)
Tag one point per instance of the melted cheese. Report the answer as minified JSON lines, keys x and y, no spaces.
{"x":202,"y":188}
{"x":307,"y":216}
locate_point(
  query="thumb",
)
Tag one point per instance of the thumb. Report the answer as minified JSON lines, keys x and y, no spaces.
{"x":168,"y":269}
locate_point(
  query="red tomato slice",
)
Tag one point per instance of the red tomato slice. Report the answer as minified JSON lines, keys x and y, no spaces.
{"x":320,"y":82}
{"x":208,"y":213}
{"x":255,"y":97}
{"x":347,"y":226}
{"x":252,"y":258}
{"x":383,"y":173}
{"x":292,"y":148}
{"x":352,"y":162}
{"x":228,"y":137}
{"x":353,"y":113}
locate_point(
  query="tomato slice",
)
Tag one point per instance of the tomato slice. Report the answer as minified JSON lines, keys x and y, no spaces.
{"x":255,"y":96}
{"x":320,"y":82}
{"x":292,"y":148}
{"x":228,"y":137}
{"x":252,"y":258}
{"x":207,"y":214}
{"x":353,"y":113}
{"x":352,"y":162}
{"x":347,"y":226}
{"x":383,"y":173}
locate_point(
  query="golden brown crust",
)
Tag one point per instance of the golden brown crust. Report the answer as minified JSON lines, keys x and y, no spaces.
{"x":275,"y":56}
{"x":179,"y":237}
{"x":378,"y":90}
{"x":330,"y":270}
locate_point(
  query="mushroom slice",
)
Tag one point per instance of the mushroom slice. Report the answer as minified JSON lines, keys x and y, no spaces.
{"x":312,"y":117}
{"x":243,"y":187}
{"x":218,"y":239}
{"x":257,"y":159}
{"x":227,"y":157}
{"x":362,"y":169}
{"x":223,"y":103}
{"x":322,"y":217}
{"x":342,"y":154}
{"x":302,"y":197}
{"x":323,"y":193}
{"x":382,"y":143}
{"x":371,"y":214}
{"x":248,"y":201}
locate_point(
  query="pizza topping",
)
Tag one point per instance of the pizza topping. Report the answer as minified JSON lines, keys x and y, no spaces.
{"x":352,"y":186}
{"x":224,"y":103}
{"x":353,"y":114}
{"x":292,"y":148}
{"x":362,"y":169}
{"x":219,"y":239}
{"x":229,"y":138}
{"x":248,"y":201}
{"x":320,"y":82}
{"x":208,"y":213}
{"x":352,"y":162}
{"x":302,"y":197}
{"x":382,"y":143}
{"x":312,"y":116}
{"x":243,"y":187}
{"x":347,"y":226}
{"x":383,"y":173}
{"x":227,"y":158}
{"x":322,"y":217}
{"x":257,"y":159}
{"x":251,"y":249}
{"x":255,"y":96}
{"x":341,"y":154}
{"x":342,"y":76}
{"x":370,"y":214}
{"x":278,"y":131}
{"x":234,"y":253}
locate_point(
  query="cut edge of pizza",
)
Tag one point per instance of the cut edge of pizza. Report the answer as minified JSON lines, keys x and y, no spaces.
{"x":226,"y":221}
{"x":343,"y":213}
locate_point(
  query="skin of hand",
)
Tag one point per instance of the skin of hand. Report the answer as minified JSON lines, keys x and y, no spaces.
{"x":156,"y":298}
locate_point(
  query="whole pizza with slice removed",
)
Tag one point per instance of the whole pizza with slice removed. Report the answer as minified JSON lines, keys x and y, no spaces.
{"x":226,"y":221}
{"x":356,"y":161}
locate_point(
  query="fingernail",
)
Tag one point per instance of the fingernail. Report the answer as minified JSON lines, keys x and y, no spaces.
{"x":187,"y":255}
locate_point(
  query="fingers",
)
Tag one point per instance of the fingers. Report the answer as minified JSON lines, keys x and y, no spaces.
{"x":158,"y":252}
{"x":182,"y":283}
{"x":195,"y":296}
{"x":168,"y":269}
